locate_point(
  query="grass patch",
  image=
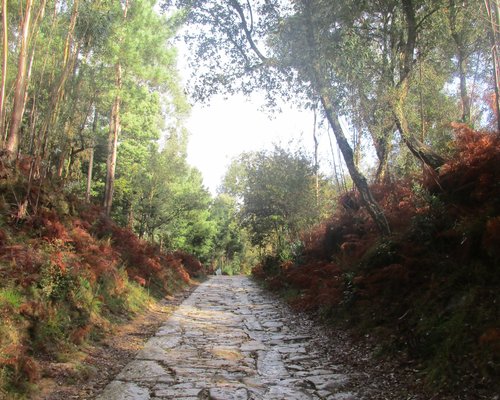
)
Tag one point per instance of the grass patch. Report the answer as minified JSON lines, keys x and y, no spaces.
{"x":10,"y":298}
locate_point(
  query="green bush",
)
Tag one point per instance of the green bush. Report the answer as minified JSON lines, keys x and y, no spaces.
{"x":56,"y":283}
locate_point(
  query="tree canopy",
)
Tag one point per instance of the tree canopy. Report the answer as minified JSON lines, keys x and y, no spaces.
{"x":373,"y":63}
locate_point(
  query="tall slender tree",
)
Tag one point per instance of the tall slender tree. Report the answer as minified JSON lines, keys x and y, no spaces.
{"x":12,"y":144}
{"x":493,"y":10}
{"x":114,"y":127}
{"x":5,"y":54}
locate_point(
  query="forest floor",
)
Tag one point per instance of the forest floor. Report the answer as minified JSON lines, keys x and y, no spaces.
{"x":378,"y":378}
{"x":84,"y":374}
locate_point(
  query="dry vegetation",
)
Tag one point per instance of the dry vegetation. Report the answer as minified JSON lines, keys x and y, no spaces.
{"x":430,"y":291}
{"x":67,"y":274}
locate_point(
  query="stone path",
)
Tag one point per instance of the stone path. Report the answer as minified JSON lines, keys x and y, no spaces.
{"x":229,"y":340}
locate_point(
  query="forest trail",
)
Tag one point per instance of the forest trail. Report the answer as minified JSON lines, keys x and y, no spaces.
{"x":231,"y":340}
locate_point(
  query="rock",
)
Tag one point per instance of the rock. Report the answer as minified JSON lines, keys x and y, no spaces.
{"x":145,"y":371}
{"x":118,"y":390}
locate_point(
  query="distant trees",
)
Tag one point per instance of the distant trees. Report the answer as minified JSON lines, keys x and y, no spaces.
{"x":275,"y":193}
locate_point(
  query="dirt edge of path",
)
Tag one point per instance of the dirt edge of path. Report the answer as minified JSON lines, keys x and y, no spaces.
{"x":96,"y":364}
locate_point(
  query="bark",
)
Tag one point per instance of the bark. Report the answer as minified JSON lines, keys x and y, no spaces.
{"x":494,"y":19}
{"x":61,"y":160}
{"x":419,"y":149}
{"x":70,"y":55}
{"x":316,"y":162}
{"x":20,"y":85}
{"x":114,"y":132}
{"x":91,"y":159}
{"x":462,"y":61}
{"x":321,"y":86}
{"x":89,"y":175}
{"x":359,"y":180}
{"x":5,"y":53}
{"x":130,"y":216}
{"x":380,"y":136}
{"x":465,"y":99}
{"x":383,"y":150}
{"x":357,"y":146}
{"x":335,"y":172}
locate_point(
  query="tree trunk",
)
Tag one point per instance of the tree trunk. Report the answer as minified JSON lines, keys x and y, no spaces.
{"x":89,"y":175}
{"x":465,"y":99}
{"x":114,"y":132}
{"x":356,"y":145}
{"x":70,"y":55}
{"x":461,"y":61}
{"x":321,"y":86}
{"x":383,"y":150}
{"x":357,"y":177}
{"x":61,"y":161}
{"x":335,"y":172}
{"x":20,"y":85}
{"x":494,"y":19}
{"x":91,"y":159}
{"x":130,"y":216}
{"x":316,"y":162}
{"x":5,"y":53}
{"x":496,"y":28}
{"x":419,"y":149}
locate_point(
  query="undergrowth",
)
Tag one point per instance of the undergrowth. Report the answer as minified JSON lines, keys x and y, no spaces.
{"x":67,"y":274}
{"x":430,"y":292}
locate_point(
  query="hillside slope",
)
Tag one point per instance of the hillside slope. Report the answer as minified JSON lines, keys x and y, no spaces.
{"x":67,"y":274}
{"x":430,"y":292}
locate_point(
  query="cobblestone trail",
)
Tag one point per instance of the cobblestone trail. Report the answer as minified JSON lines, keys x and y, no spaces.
{"x":230,"y":340}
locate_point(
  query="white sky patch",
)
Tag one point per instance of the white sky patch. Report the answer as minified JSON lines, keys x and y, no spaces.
{"x":228,"y":127}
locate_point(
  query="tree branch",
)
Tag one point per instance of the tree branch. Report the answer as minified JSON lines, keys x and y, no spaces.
{"x":248,"y":31}
{"x":425,"y":17}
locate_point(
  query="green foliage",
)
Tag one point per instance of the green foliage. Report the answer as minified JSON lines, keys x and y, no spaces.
{"x":85,"y":296}
{"x":365,"y":54}
{"x":67,"y":278}
{"x":266,"y":200}
{"x":55,"y":283}
{"x":232,"y":251}
{"x":278,"y":195}
{"x":383,"y":252}
{"x":121,"y":296}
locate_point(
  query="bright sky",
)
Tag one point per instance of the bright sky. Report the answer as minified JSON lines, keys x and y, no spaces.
{"x":226,"y":128}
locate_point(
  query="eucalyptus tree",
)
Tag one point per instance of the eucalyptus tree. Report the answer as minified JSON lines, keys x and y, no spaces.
{"x":31,"y":17}
{"x":51,"y":50}
{"x":5,"y":57}
{"x":75,"y":66}
{"x":366,"y":61}
{"x":493,"y":12}
{"x":157,"y":194}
